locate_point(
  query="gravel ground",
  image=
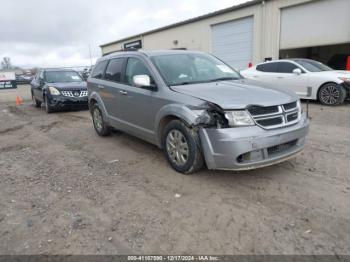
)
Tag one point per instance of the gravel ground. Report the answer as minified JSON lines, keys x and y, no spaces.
{"x":64,"y":190}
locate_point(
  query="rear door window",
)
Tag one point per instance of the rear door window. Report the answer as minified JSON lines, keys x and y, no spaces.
{"x":99,"y":69}
{"x":267,"y":67}
{"x":114,"y":70}
{"x":286,"y":67}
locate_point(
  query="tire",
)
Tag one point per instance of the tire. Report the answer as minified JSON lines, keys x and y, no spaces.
{"x":36,"y":102}
{"x":176,"y":137}
{"x":331,"y":94}
{"x":102,"y":129}
{"x":48,"y":108}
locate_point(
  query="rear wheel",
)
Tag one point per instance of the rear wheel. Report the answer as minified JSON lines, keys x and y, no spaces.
{"x":100,"y":125}
{"x":36,"y":102}
{"x":331,"y":94}
{"x":182,"y":148}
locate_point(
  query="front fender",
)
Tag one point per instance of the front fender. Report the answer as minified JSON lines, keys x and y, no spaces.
{"x":190,"y":117}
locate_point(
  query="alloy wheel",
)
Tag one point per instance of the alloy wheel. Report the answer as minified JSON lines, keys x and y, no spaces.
{"x":177,"y":147}
{"x":98,"y":119}
{"x":330,"y":95}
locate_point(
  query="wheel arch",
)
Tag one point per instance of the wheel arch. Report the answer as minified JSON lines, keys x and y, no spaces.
{"x":161,"y":126}
{"x":95,"y":98}
{"x":325,"y":83}
{"x":171,"y":112}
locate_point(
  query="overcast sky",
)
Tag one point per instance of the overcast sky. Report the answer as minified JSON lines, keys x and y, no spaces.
{"x":55,"y":33}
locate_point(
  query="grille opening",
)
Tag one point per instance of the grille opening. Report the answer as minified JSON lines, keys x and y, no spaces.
{"x":270,"y":121}
{"x":281,"y":148}
{"x":256,"y":155}
{"x":259,"y":110}
{"x":292,"y":117}
{"x":290,"y":106}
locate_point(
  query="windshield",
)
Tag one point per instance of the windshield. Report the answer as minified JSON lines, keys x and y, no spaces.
{"x":183,"y":69}
{"x":62,"y":76}
{"x":313,"y":66}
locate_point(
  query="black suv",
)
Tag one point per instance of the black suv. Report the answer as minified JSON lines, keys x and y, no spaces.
{"x":59,"y":88}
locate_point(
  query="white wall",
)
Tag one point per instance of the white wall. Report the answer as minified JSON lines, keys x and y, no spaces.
{"x":197,"y":35}
{"x":318,"y":23}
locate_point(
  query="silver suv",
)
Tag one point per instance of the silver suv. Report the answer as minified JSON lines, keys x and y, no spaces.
{"x":196,"y":108}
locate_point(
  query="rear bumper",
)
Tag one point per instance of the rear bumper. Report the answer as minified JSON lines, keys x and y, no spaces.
{"x":59,"y":102}
{"x":251,"y":147}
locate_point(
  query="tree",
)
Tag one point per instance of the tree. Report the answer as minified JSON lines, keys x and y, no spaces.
{"x":6,"y":63}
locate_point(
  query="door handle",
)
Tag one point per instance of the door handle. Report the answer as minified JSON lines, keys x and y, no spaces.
{"x":101,"y":87}
{"x":122,"y":92}
{"x":280,"y":77}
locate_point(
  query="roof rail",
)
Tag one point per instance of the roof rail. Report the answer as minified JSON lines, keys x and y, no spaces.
{"x":132,"y":49}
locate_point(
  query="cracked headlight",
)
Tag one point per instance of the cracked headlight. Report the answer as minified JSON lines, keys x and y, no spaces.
{"x":54,"y":91}
{"x":239,"y":118}
{"x":203,"y":117}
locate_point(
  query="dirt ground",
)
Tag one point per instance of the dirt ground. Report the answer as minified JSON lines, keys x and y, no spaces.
{"x":64,"y":190}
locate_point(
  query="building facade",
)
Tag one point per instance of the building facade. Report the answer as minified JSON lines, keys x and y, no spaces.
{"x":256,"y":31}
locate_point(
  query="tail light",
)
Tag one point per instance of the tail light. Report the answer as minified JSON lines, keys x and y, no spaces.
{"x":251,"y":65}
{"x":348,"y":64}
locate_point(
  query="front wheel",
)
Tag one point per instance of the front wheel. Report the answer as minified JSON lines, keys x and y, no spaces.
{"x":48,"y":108}
{"x":331,"y":94}
{"x":182,"y":148}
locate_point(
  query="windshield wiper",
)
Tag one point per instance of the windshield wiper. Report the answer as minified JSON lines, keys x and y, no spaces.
{"x":188,"y":83}
{"x":205,"y":81}
{"x":223,"y":79}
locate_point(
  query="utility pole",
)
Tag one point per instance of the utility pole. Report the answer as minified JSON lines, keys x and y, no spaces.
{"x":90,"y":56}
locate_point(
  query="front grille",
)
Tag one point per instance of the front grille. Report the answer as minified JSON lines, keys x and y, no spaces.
{"x":77,"y":93}
{"x":290,"y":106}
{"x":275,"y":116}
{"x":292,"y":117}
{"x":270,"y":121}
{"x":259,"y":110}
{"x":281,"y":148}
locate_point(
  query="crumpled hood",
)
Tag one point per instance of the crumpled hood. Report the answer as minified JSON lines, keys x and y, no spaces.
{"x":69,"y":86}
{"x":237,"y":94}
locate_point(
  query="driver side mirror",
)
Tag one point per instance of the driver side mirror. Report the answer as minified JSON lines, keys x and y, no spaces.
{"x":41,"y":81}
{"x":143,"y":81}
{"x":297,"y":71}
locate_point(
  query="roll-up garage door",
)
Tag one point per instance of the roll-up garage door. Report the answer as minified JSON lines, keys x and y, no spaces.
{"x":321,"y":22}
{"x":232,"y":42}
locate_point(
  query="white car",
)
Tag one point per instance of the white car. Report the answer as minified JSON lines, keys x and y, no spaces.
{"x":307,"y":78}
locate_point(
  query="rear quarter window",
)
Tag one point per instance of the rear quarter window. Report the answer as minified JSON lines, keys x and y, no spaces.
{"x":99,"y":70}
{"x":267,"y":67}
{"x":114,"y":70}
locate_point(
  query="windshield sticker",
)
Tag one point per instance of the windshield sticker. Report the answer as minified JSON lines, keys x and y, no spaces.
{"x":183,"y":76}
{"x":225,"y":68}
{"x":75,"y":77}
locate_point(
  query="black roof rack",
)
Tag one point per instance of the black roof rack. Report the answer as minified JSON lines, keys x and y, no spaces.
{"x":131,"y":49}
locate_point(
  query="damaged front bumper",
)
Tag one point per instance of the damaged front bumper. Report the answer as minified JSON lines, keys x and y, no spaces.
{"x":251,"y":147}
{"x":60,"y":102}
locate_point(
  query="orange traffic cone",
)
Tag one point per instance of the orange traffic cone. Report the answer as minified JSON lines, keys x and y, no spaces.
{"x":18,"y":101}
